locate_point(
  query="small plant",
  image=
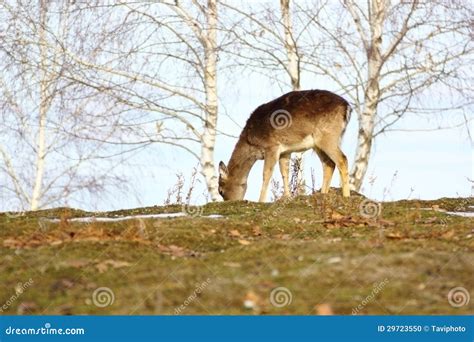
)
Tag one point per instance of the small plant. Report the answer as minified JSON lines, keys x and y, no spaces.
{"x":276,"y":190}
{"x":313,"y":182}
{"x":296,"y":185}
{"x":176,"y":193}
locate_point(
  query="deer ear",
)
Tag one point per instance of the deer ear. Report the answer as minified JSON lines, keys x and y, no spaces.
{"x":223,"y":172}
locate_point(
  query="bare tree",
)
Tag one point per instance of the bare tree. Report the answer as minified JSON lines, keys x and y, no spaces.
{"x":165,"y":67}
{"x":52,"y":130}
{"x":84,"y":84}
{"x":389,"y":56}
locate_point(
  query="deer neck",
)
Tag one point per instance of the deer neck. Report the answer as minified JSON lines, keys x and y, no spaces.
{"x":242,"y":160}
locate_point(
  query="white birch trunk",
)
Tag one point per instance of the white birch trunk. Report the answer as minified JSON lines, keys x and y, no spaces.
{"x":43,"y":109}
{"x":294,"y":71}
{"x":210,"y":77}
{"x":293,"y":67}
{"x":372,"y":95}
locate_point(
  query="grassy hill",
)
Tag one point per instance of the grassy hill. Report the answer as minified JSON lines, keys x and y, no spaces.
{"x":312,"y":255}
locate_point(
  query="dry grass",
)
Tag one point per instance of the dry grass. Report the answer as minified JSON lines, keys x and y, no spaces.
{"x":320,"y":248}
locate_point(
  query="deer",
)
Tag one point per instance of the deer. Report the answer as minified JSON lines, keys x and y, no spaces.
{"x":295,"y":122}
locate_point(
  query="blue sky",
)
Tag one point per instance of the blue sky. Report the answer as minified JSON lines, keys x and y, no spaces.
{"x":415,"y":164}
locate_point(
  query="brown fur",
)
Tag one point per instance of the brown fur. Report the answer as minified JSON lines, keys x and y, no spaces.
{"x":318,"y":121}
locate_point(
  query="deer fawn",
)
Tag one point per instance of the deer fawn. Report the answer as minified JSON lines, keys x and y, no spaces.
{"x":295,"y":122}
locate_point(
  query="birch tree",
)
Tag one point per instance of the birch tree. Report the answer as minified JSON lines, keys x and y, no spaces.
{"x":164,"y":67}
{"x":391,"y":59}
{"x":52,"y":130}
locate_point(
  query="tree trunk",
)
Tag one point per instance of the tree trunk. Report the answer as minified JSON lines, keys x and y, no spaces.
{"x":371,"y":96}
{"x":43,"y":109}
{"x":294,"y":71}
{"x":293,"y":67}
{"x":210,"y":78}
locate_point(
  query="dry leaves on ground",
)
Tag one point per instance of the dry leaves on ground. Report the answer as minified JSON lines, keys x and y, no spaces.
{"x":337,"y":220}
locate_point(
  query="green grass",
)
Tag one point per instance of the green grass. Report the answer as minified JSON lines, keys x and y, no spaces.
{"x":403,"y":261}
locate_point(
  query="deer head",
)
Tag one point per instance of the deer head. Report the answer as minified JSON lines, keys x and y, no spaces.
{"x":230,"y":190}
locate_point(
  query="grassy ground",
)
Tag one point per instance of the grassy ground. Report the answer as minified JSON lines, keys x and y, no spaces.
{"x":311,"y":255}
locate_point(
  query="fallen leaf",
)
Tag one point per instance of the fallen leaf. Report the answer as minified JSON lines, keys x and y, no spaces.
{"x":252,"y":300}
{"x":395,"y":236}
{"x":324,"y":309}
{"x":232,"y":264}
{"x":244,"y":242}
{"x":334,"y":260}
{"x":11,"y":243}
{"x":256,"y":231}
{"x":234,"y":232}
{"x":336,"y":216}
{"x":448,"y":235}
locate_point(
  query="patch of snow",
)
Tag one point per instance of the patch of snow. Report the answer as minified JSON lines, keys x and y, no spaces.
{"x":461,"y":213}
{"x":132,"y":217}
{"x":455,"y":213}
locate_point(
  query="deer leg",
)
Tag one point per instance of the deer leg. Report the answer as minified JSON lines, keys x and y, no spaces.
{"x":328,"y":169}
{"x":271,"y":158}
{"x":285,"y":171}
{"x":340,"y":160}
